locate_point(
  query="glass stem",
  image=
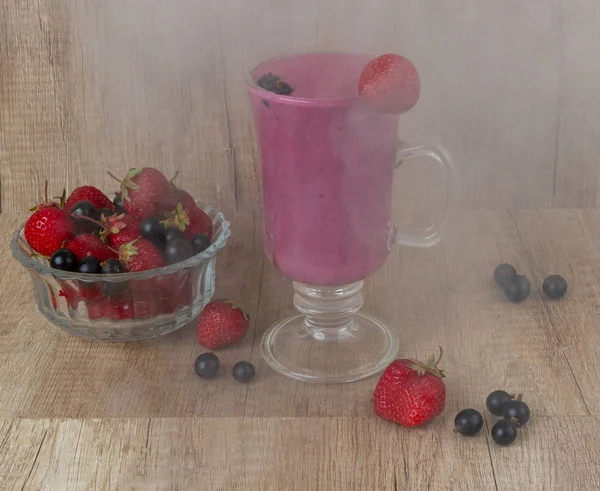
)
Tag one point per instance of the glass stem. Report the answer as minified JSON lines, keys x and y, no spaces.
{"x":329,"y":310}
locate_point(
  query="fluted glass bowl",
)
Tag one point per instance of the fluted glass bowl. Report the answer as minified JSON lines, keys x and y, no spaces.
{"x":138,"y":306}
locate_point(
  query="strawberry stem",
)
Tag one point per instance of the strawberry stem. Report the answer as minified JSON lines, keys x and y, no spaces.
{"x":114,"y":177}
{"x":429,"y":367}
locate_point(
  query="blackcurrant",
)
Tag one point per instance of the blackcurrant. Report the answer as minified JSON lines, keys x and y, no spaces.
{"x":207,"y":366}
{"x":111,"y":266}
{"x":497,"y":401}
{"x":178,"y":250}
{"x":504,"y":432}
{"x":468,"y":422}
{"x":83,"y":209}
{"x":200,"y":243}
{"x":504,"y":274}
{"x":80,"y":212}
{"x":112,"y":288}
{"x":152,"y":229}
{"x":518,"y":290}
{"x":64,"y":259}
{"x":118,"y":202}
{"x":90,"y":265}
{"x":104,"y":212}
{"x":173,"y":233}
{"x":516,"y":412}
{"x":243,"y":371}
{"x":273,"y":83}
{"x":555,"y":286}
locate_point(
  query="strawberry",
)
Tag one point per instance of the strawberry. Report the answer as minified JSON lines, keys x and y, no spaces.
{"x":120,"y":229}
{"x":47,"y":229}
{"x":191,"y":221}
{"x":185,"y":199}
{"x":114,"y":309}
{"x":142,"y":191}
{"x":167,"y":203}
{"x":140,"y":255}
{"x":221,"y":324}
{"x":144,"y":302}
{"x":119,"y":309}
{"x":89,"y":245}
{"x":91,"y":194}
{"x":410,"y":393}
{"x":391,"y":83}
{"x":70,"y":291}
{"x":48,"y":202}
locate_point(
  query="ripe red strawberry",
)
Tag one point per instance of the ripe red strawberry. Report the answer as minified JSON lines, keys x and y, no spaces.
{"x":47,"y":229}
{"x":144,"y":302}
{"x":221,"y":324}
{"x":89,"y":245}
{"x":114,"y":309}
{"x":167,"y":203}
{"x":140,"y":255}
{"x":120,"y":229}
{"x":200,"y":223}
{"x":50,"y":202}
{"x":119,"y":309}
{"x":410,"y":392}
{"x":185,"y":199}
{"x":70,"y":291}
{"x":142,"y":191}
{"x":191,"y":221}
{"x":90,"y":291}
{"x":91,"y":194}
{"x":391,"y":83}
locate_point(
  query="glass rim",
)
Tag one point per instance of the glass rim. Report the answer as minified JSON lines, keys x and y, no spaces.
{"x":332,"y":101}
{"x":218,"y":243}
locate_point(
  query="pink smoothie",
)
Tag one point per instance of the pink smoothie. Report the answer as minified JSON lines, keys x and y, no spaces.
{"x":327,"y":165}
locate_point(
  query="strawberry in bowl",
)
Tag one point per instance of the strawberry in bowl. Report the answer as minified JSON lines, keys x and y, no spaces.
{"x":122,"y":270}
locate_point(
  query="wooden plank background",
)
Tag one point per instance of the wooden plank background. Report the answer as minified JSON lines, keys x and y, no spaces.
{"x":511,"y":88}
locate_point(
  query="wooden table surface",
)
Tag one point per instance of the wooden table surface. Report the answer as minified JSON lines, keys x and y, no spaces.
{"x":76,"y":414}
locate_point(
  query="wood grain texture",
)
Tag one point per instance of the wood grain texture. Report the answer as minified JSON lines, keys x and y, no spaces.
{"x":511,"y":89}
{"x":578,"y":143}
{"x":92,"y":85}
{"x":440,"y":296}
{"x":262,"y":454}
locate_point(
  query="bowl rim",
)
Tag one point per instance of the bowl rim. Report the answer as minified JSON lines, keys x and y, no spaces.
{"x":218,"y":243}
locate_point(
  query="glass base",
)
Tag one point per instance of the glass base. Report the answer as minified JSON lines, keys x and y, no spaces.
{"x":330,"y":341}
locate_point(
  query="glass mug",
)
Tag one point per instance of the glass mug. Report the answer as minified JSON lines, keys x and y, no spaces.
{"x":328,"y":161}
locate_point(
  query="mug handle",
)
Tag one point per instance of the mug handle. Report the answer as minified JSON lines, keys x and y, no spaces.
{"x":428,"y":236}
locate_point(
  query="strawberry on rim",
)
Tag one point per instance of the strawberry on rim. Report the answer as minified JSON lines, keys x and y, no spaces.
{"x":391,"y":83}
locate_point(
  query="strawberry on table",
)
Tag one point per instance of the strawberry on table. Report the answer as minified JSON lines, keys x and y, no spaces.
{"x":221,"y":324}
{"x":90,"y":194}
{"x":391,"y":83}
{"x":47,"y":229}
{"x":410,"y":393}
{"x":143,"y":191}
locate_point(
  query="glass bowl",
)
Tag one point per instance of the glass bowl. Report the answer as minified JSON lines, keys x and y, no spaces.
{"x":127,"y":306}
